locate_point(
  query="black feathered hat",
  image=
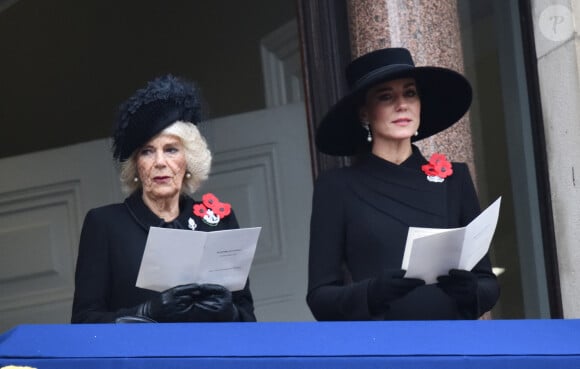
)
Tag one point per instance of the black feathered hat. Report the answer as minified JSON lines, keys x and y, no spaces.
{"x":445,"y":98}
{"x":164,"y":101}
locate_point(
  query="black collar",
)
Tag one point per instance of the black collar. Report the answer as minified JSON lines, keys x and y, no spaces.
{"x":146,"y":218}
{"x":401,"y":191}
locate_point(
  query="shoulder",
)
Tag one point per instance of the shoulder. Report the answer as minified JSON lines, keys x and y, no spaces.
{"x":461,"y":166}
{"x":460,"y":178}
{"x":106,"y":211}
{"x":332,"y":186}
{"x":460,"y":170}
{"x":465,"y":191}
{"x":461,"y":173}
{"x":103,"y":220}
{"x":334,"y":177}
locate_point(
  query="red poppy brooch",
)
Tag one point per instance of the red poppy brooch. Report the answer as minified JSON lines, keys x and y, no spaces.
{"x":211,"y":210}
{"x":438,"y":168}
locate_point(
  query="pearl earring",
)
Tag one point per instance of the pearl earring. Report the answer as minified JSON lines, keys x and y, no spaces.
{"x":369,"y":135}
{"x":135,"y":179}
{"x":416,"y":133}
{"x":187,"y":175}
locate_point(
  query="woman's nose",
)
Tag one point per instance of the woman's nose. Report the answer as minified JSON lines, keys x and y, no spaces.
{"x":401,"y":103}
{"x":159,"y":159}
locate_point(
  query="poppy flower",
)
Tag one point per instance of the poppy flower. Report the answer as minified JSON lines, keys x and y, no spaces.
{"x":200,"y":210}
{"x":209,"y":199}
{"x":437,"y":158}
{"x":438,"y":168}
{"x":443,"y":169}
{"x":222,"y":209}
{"x":429,"y":170}
{"x":211,"y":210}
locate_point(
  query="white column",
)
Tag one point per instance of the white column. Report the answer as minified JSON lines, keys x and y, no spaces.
{"x":556,"y":30}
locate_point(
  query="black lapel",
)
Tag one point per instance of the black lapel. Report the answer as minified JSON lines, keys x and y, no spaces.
{"x":146,"y":218}
{"x":401,"y":191}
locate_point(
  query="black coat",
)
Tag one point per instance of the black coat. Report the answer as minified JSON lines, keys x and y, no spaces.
{"x":111,"y":247}
{"x":360,"y":218}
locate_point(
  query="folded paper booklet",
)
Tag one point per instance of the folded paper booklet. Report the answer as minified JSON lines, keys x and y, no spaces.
{"x":174,"y":257}
{"x":432,"y":252}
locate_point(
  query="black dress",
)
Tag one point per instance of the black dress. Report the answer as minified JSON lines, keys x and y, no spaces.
{"x":360,"y":218}
{"x":110,"y":251}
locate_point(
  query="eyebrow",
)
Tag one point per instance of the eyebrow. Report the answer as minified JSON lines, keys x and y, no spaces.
{"x":170,"y":143}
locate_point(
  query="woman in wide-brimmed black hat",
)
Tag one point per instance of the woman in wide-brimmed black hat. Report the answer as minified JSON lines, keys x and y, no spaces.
{"x":164,"y":159}
{"x":361,"y":214}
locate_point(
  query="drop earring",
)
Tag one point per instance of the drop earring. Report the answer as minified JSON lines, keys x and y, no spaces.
{"x":369,"y":135}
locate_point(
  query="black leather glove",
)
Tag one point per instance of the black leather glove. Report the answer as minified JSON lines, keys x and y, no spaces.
{"x":134,"y":319}
{"x":461,"y":285}
{"x":388,"y":287}
{"x":213,"y":303}
{"x":171,"y":305}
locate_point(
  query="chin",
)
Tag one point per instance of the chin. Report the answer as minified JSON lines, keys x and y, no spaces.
{"x":400,"y":137}
{"x":164,"y":193}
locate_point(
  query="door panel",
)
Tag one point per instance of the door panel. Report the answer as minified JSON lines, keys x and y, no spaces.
{"x":43,"y":199}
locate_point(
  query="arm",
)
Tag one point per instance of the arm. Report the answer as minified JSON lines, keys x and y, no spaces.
{"x":244,"y":304}
{"x":92,"y":277}
{"x":329,"y":297}
{"x":93,"y":301}
{"x":487,"y":290}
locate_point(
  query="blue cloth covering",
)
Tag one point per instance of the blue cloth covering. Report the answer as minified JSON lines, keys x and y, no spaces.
{"x":417,"y":344}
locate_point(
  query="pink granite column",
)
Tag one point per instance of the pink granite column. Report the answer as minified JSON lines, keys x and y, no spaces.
{"x":430,"y":30}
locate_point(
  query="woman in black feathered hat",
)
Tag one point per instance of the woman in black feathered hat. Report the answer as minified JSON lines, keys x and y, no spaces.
{"x":164,"y":159}
{"x":361,"y":214}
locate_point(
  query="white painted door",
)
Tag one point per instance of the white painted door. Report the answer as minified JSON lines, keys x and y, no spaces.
{"x":43,"y":199}
{"x":261,"y":165}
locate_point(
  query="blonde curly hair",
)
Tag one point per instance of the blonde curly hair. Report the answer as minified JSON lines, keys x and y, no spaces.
{"x":197,"y":156}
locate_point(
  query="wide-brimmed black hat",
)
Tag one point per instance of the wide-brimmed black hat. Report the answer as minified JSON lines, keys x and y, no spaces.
{"x":445,"y":97}
{"x":164,"y":101}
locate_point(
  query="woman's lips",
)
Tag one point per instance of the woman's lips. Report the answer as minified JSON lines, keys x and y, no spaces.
{"x":402,"y":121}
{"x":161,"y":179}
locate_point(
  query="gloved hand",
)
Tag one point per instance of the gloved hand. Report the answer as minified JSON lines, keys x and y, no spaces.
{"x":213,"y":303}
{"x":461,"y":285}
{"x":388,"y":287}
{"x":134,"y":319}
{"x":170,"y":305}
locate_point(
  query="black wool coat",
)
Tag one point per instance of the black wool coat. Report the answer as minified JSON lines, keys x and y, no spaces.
{"x":111,"y":247}
{"x":359,"y":224}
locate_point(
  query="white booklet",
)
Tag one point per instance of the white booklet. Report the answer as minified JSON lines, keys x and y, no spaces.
{"x":432,"y":252}
{"x":177,"y":256}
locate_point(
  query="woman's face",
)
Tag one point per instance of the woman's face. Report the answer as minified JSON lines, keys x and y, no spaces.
{"x":161,"y":166}
{"x":393,"y":110}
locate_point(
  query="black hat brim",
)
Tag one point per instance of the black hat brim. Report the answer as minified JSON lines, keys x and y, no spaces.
{"x":445,"y":98}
